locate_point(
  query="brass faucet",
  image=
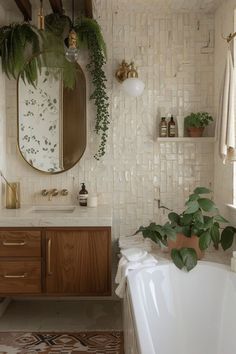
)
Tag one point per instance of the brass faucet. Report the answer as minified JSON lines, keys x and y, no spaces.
{"x":50,"y":194}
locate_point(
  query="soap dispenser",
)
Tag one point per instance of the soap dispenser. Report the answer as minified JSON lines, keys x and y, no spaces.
{"x":233,"y":262}
{"x":83,"y":196}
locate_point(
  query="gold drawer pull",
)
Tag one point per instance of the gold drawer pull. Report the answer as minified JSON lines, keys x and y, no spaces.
{"x":49,"y":256}
{"x":12,"y":276}
{"x":20,"y":243}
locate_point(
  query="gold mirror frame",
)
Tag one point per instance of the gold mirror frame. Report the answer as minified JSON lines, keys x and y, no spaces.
{"x":74,"y":107}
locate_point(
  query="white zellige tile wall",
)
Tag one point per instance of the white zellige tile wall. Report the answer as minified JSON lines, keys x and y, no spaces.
{"x":175,"y":57}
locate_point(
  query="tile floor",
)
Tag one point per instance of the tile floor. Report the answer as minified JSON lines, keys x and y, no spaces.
{"x":53,"y":315}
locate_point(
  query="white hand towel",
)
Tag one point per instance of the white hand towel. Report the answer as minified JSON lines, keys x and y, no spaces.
{"x":125,"y":267}
{"x":226,"y":119}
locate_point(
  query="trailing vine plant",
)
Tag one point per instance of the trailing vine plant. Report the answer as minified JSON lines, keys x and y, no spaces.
{"x":24,"y":50}
{"x":89,"y":33}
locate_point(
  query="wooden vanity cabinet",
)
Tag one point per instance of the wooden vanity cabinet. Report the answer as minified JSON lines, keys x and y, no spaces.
{"x":78,"y":261}
{"x":55,"y":261}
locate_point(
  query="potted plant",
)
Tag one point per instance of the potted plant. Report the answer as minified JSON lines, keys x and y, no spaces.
{"x":195,"y":123}
{"x":190,"y":233}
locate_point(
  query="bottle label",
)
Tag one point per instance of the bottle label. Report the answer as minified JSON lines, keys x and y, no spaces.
{"x":172,"y":130}
{"x":163,"y":131}
{"x":83,"y":199}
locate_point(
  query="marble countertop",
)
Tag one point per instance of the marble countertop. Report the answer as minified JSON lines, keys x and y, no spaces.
{"x":26,"y":216}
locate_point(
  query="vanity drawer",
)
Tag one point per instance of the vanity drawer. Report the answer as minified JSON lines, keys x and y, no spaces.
{"x":20,"y":277}
{"x":20,"y":244}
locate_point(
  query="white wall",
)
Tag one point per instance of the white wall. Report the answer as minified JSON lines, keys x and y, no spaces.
{"x":224,"y":25}
{"x":179,"y":77}
{"x":2,"y":116}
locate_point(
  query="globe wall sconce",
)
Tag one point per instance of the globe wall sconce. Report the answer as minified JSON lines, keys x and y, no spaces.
{"x":127,"y":75}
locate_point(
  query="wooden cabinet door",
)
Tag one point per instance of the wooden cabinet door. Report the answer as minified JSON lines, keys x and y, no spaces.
{"x":78,"y":261}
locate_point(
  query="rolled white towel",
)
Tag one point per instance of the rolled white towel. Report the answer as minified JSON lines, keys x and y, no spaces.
{"x":126,"y":266}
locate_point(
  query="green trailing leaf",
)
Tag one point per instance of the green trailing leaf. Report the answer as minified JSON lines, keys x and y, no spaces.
{"x":176,"y":258}
{"x":186,"y":231}
{"x":206,"y":204}
{"x":174,"y":218}
{"x":189,"y":257}
{"x":187,"y":219}
{"x":204,"y":240}
{"x":215,"y":235}
{"x":202,"y":190}
{"x":198,"y":217}
{"x":227,"y":237}
{"x":193,"y":197}
{"x":169,"y":232}
{"x":192,"y":207}
{"x":208,"y":223}
{"x":185,"y":257}
{"x":220,"y":219}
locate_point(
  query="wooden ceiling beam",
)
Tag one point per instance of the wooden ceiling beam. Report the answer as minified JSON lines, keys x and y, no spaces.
{"x":88,"y":7}
{"x":26,"y":9}
{"x":57,"y":6}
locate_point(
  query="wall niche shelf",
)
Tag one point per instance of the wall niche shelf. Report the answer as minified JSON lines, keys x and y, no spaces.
{"x":187,"y":139}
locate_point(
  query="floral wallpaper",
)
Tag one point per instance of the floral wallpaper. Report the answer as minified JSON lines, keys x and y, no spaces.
{"x":40,"y":121}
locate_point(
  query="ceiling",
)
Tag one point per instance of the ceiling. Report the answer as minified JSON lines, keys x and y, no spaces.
{"x":174,"y":5}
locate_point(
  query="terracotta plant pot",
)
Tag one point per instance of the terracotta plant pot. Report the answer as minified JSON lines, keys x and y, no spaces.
{"x":195,"y":132}
{"x":189,"y":242}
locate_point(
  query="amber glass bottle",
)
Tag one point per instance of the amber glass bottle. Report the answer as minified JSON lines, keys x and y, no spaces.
{"x":163,"y":128}
{"x":171,"y":127}
{"x":83,"y":195}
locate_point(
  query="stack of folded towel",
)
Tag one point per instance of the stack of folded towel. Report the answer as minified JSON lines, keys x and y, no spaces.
{"x":132,"y":258}
{"x":136,"y":241}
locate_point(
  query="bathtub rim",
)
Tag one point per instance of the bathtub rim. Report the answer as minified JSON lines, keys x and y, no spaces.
{"x":144,"y":341}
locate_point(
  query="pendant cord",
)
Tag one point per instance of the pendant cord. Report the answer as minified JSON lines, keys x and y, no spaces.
{"x":73,"y":12}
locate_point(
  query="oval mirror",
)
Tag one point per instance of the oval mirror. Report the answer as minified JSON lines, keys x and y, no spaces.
{"x":52,"y":121}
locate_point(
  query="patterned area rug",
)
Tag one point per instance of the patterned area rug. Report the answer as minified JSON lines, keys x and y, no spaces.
{"x":62,"y":343}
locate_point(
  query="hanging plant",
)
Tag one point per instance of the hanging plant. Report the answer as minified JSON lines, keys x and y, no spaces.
{"x":24,"y":50}
{"x":89,"y":34}
{"x":19,"y":43}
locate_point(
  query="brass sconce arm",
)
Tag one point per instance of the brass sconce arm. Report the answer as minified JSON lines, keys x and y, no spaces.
{"x":126,"y":71}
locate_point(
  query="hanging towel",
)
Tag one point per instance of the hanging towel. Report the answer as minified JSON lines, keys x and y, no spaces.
{"x":226,"y":119}
{"x":125,"y":266}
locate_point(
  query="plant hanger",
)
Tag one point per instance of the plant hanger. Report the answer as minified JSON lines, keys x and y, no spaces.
{"x":71,"y":51}
{"x":41,"y":23}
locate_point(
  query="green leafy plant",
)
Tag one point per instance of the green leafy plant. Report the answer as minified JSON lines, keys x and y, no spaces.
{"x":18,"y":44}
{"x":198,"y":120}
{"x":24,"y":50}
{"x":89,"y":34}
{"x":201,"y":218}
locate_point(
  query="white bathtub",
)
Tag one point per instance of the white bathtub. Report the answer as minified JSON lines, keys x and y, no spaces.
{"x":168,"y":311}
